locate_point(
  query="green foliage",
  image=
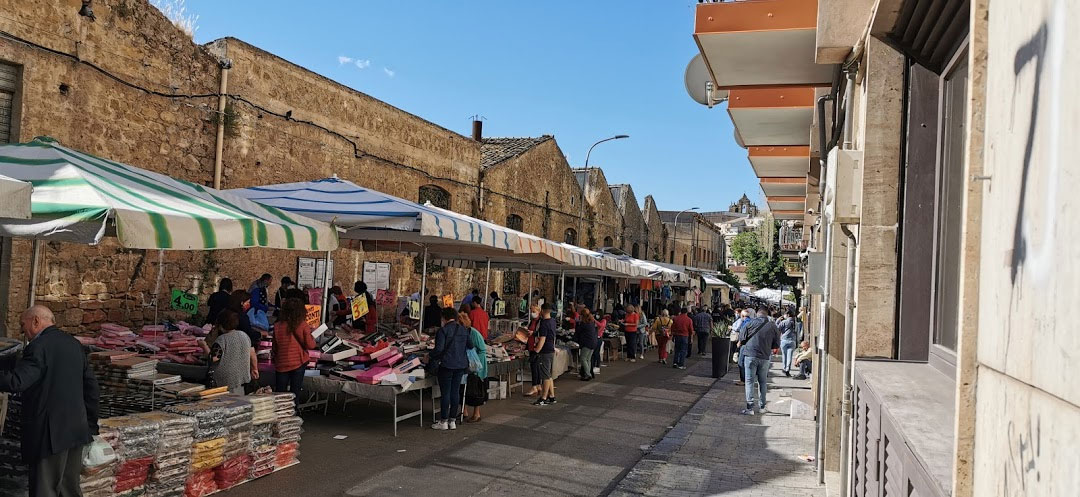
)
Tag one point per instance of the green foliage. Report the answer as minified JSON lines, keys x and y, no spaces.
{"x":746,"y":248}
{"x":729,"y":277}
{"x":762,"y":270}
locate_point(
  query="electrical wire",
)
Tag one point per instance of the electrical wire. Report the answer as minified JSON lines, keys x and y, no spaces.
{"x":358,"y":153}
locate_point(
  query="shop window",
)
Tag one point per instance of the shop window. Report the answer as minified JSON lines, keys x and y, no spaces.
{"x":515,"y":222}
{"x":949,"y":215}
{"x":570,"y":236}
{"x":434,"y":194}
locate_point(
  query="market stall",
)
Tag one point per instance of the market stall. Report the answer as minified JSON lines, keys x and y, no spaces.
{"x":80,"y":198}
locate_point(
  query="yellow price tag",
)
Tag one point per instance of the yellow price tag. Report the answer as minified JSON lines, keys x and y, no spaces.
{"x":359,"y":307}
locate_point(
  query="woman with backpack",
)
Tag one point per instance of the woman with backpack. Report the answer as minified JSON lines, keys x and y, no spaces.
{"x":476,"y":384}
{"x":662,"y":329}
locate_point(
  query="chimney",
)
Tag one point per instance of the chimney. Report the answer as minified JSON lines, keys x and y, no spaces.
{"x":477,"y":129}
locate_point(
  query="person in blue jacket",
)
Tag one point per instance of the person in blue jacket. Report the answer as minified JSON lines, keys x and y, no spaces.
{"x":451,"y":343}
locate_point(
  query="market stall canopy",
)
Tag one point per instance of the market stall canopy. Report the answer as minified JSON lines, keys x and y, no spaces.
{"x":384,"y":222}
{"x":647,"y":269}
{"x":76,"y":194}
{"x":772,"y":295}
{"x":15,"y":198}
{"x":713,"y":281}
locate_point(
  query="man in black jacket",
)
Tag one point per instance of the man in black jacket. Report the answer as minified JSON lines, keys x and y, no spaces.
{"x":59,"y":404}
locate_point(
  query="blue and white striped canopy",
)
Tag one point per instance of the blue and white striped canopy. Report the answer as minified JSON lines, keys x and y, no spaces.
{"x":367,"y":214}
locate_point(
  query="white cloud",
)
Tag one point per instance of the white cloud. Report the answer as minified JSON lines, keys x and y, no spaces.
{"x":342,"y":60}
{"x":362,"y":63}
{"x":388,"y":71}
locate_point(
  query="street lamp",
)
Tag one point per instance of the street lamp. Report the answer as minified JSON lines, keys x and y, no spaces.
{"x":585,"y":179}
{"x":675,"y":236}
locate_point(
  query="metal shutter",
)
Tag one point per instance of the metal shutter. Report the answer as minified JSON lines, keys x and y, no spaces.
{"x":9,"y":75}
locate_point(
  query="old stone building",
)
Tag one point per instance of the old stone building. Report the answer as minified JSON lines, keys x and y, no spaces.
{"x":695,"y":241}
{"x":657,"y":231}
{"x":132,"y":87}
{"x":603,"y":221}
{"x":634,"y":234}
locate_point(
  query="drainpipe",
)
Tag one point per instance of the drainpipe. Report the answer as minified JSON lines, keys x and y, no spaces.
{"x":849,"y":364}
{"x":222,"y":89}
{"x":822,"y":371}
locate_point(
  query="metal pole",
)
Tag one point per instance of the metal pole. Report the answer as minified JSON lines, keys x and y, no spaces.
{"x":528,"y":296}
{"x":562,"y":293}
{"x":423,"y":294}
{"x":849,"y":366}
{"x":34,"y":264}
{"x":487,"y":285}
{"x":821,"y":371}
{"x":326,"y":288}
{"x":157,"y":285}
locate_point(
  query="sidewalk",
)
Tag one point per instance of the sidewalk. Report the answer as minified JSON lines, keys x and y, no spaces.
{"x":715,"y":450}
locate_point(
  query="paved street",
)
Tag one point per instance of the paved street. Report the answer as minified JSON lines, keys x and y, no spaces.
{"x":585,"y":445}
{"x":714,"y":450}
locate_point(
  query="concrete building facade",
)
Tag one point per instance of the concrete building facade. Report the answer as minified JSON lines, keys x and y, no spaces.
{"x":942,"y":246}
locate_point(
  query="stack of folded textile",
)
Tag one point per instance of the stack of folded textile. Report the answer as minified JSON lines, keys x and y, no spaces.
{"x":201,"y":483}
{"x":263,"y":460}
{"x":288,"y":429}
{"x":233,"y":471}
{"x":264,"y":409}
{"x":286,"y":454}
{"x":136,"y":445}
{"x":206,"y":455}
{"x":170,"y":470}
{"x":285,"y":404}
{"x":209,"y":416}
{"x":238,"y":416}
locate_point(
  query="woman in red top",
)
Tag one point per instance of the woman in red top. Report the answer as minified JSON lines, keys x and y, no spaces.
{"x":292,"y":340}
{"x":630,"y":327}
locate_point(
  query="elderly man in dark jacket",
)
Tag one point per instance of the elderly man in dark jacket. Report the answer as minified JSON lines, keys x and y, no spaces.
{"x":59,"y":404}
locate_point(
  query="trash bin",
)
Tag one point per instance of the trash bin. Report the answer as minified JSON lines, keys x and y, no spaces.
{"x":721,"y":356}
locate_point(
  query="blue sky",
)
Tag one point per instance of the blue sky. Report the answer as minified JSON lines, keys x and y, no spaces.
{"x":579,"y":70}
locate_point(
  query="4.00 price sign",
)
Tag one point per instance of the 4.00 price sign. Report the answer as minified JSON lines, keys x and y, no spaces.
{"x":183,"y":301}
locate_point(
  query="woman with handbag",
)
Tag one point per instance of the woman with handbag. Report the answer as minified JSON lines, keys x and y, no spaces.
{"x":292,"y":340}
{"x":232,"y":355}
{"x":662,"y":329}
{"x":476,"y":383}
{"x":534,"y":366}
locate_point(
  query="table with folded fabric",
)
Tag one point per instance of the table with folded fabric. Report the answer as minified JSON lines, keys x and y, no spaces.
{"x":509,"y":369}
{"x":387,"y":394}
{"x":561,"y":362}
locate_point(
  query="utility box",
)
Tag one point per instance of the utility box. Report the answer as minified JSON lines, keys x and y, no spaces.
{"x":843,"y":186}
{"x":815,"y":273}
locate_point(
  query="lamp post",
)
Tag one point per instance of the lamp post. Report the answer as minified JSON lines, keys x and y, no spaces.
{"x":675,"y":235}
{"x":585,"y":179}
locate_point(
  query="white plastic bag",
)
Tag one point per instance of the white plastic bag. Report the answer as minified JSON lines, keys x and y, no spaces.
{"x":97,"y":452}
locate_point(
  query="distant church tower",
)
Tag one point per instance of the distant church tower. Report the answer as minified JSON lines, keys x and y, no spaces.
{"x":744,"y":206}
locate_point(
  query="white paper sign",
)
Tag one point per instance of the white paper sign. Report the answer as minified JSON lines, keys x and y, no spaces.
{"x":377,"y":276}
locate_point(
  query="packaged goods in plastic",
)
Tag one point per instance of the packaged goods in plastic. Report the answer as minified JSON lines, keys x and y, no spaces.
{"x":287,"y":453}
{"x":209,"y":416}
{"x":232,"y":471}
{"x":200,"y":484}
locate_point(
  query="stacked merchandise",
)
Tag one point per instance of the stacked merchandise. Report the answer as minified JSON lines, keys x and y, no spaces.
{"x":208,"y":451}
{"x":233,"y":471}
{"x":263,"y":451}
{"x":180,"y":389}
{"x":170,"y":470}
{"x":155,"y":341}
{"x":284,"y":405}
{"x":236,"y":466}
{"x":136,"y":444}
{"x":118,"y":372}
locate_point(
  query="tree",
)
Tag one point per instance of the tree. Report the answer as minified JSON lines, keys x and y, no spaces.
{"x":746,"y":248}
{"x":729,"y":277}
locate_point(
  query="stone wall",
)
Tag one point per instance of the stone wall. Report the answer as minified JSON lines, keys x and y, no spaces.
{"x":605,"y":220}
{"x":634,"y":229}
{"x":658,"y":234}
{"x":175,"y":134}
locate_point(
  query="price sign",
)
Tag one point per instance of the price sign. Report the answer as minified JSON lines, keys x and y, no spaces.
{"x":414,"y":309}
{"x":448,"y":300}
{"x":314,"y":315}
{"x":183,"y":301}
{"x":359,"y":307}
{"x":500,"y":307}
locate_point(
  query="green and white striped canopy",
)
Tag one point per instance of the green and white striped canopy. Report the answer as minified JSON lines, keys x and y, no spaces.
{"x":76,"y":194}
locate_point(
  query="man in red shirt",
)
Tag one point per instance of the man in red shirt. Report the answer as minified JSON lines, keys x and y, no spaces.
{"x":681,"y":329}
{"x":479,"y":318}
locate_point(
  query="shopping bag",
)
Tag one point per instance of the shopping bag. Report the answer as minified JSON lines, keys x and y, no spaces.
{"x":258,"y":319}
{"x":474,"y":360}
{"x":670,"y":346}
